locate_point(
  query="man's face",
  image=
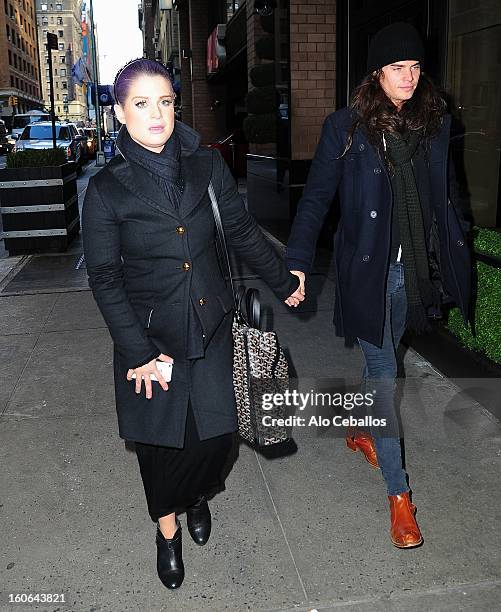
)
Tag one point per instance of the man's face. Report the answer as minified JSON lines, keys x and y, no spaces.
{"x":399,"y":80}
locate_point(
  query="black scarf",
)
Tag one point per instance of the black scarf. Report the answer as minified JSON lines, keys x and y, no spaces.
{"x":163,"y":167}
{"x":419,"y":290}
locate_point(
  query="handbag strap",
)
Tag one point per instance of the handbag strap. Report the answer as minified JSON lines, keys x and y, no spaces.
{"x":249,"y":296}
{"x":222,"y":240}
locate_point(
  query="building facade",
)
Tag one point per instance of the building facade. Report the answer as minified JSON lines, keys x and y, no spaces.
{"x":277,"y":68}
{"x":65,"y":20}
{"x":19,"y":64}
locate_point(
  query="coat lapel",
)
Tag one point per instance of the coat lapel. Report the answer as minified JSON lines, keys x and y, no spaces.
{"x":143,"y":187}
{"x":196,"y":170}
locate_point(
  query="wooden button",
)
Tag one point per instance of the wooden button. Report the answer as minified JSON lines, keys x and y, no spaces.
{"x":186,"y":266}
{"x":180,"y":229}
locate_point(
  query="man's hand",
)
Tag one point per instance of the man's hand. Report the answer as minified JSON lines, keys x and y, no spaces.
{"x":299,"y":294}
{"x":144,"y":372}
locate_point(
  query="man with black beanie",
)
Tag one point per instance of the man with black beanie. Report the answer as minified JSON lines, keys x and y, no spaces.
{"x":400,"y":247}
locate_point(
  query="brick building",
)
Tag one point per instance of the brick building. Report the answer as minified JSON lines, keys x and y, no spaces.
{"x":64,"y":19}
{"x":19,"y":66}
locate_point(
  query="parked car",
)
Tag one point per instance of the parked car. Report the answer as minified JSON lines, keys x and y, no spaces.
{"x":21,"y":120}
{"x":39,"y":136}
{"x":234,"y":149}
{"x":4,"y":139}
{"x":91,"y":135}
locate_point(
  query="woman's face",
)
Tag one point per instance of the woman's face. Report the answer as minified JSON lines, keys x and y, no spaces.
{"x":148,"y":111}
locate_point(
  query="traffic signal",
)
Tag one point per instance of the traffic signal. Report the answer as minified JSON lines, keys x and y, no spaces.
{"x":14,"y":100}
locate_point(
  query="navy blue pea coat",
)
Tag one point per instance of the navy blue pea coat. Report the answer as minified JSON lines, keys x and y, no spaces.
{"x":363,"y":239}
{"x":148,"y":263}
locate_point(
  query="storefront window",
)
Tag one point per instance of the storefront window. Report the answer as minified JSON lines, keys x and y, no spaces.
{"x":474,"y":83}
{"x":232,"y":7}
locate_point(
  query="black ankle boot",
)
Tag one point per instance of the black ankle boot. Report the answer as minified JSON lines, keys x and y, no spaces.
{"x":170,"y":565}
{"x":199,"y":521}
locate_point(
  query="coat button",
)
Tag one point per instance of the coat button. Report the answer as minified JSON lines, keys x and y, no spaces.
{"x":366,"y":258}
{"x":460,"y":243}
{"x":361,"y":147}
{"x":373,"y":214}
{"x":180,"y":229}
{"x":377,"y":170}
{"x":202,"y":301}
{"x":186,"y":266}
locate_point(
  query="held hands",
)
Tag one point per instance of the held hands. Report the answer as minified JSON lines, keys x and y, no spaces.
{"x":298,"y":295}
{"x":144,"y":372}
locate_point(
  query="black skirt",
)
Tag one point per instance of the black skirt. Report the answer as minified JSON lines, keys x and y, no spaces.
{"x":174,"y":478}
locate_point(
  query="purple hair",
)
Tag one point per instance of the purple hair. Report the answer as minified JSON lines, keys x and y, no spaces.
{"x":133,"y":69}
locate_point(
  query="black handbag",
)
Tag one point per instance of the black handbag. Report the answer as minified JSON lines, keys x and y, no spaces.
{"x":260,"y":367}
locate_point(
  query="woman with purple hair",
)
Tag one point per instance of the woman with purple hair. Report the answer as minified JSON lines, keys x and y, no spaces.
{"x":149,"y":241}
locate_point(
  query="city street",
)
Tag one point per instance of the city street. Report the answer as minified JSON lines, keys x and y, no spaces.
{"x":304,"y":532}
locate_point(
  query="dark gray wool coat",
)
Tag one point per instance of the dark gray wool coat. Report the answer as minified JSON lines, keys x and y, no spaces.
{"x":146,"y":262}
{"x":363,"y":239}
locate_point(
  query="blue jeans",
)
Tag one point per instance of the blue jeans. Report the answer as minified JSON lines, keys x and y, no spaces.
{"x":379,"y":375}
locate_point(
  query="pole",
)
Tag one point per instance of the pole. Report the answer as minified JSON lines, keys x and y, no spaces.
{"x":96,"y":79}
{"x":52,"y":112}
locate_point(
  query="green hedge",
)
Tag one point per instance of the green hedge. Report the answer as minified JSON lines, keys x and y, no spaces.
{"x":268,"y":23}
{"x":265,"y":47}
{"x":36,"y":158}
{"x":488,"y":304}
{"x":261,"y":129}
{"x":262,"y":100}
{"x":262,"y":74}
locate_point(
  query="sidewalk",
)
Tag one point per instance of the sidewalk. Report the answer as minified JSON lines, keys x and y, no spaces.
{"x":305,"y":532}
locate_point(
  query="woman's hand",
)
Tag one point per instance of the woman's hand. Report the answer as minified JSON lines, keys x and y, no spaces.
{"x":144,"y":372}
{"x":298,"y":295}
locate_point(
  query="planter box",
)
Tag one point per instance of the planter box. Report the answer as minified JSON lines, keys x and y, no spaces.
{"x":39,"y":208}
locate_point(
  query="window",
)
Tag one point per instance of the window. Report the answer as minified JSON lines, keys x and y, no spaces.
{"x":24,"y":66}
{"x":10,"y":57}
{"x":59,"y":21}
{"x":64,"y":85}
{"x":17,"y":83}
{"x":57,"y":97}
{"x":45,"y":21}
{"x":6,"y":6}
{"x":11,"y":11}
{"x":43,"y":7}
{"x":61,"y":46}
{"x":22,"y":45}
{"x":11,"y":81}
{"x":62,"y":59}
{"x":47,"y":72}
{"x":62,"y":72}
{"x":45,"y":32}
{"x":18,"y":40}
{"x":55,"y":71}
{"x":59,"y":6}
{"x":7,"y":29}
{"x":65,"y":98}
{"x":57,"y":84}
{"x":60,"y":33}
{"x":15,"y":60}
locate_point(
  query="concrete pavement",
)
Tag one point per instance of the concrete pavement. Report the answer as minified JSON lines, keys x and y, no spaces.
{"x":305,"y":532}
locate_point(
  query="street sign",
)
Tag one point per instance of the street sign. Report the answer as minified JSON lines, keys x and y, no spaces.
{"x":52,"y":42}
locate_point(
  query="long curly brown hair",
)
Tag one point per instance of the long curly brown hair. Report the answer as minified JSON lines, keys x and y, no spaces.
{"x":375,"y":111}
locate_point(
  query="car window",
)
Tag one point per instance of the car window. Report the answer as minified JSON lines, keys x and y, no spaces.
{"x":64,"y":133}
{"x":44,"y":132}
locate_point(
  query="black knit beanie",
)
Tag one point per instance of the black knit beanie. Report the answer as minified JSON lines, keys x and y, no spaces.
{"x":397,"y":42}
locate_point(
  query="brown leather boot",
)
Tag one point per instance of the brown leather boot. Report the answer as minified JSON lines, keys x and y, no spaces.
{"x":363,"y":441}
{"x":404,"y":530}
